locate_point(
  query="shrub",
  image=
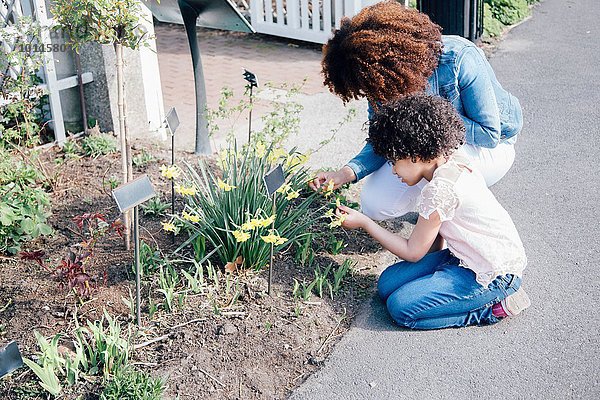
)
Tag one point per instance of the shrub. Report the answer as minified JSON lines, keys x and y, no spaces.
{"x":131,"y":384}
{"x":234,"y":212}
{"x":508,"y":12}
{"x":24,"y":207}
{"x":98,"y":144}
{"x":491,"y":26}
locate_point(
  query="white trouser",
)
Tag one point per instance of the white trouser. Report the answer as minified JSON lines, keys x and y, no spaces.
{"x":385,"y":196}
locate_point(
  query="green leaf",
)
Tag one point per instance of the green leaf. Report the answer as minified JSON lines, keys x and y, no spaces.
{"x":49,"y":380}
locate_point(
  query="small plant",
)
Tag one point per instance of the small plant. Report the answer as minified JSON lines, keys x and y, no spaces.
{"x":143,"y":158}
{"x":321,"y":281}
{"x":150,"y":259}
{"x":168,"y":281}
{"x":111,"y":183}
{"x":71,"y":149}
{"x":105,"y":350}
{"x":302,"y":290}
{"x":131,"y":384}
{"x":340,"y":273}
{"x":195,"y":283}
{"x":24,"y":207}
{"x":155,"y":207}
{"x":97,"y":145}
{"x":305,"y":254}
{"x":335,"y":246}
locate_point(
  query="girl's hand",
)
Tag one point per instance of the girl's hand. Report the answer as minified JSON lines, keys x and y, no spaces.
{"x":339,"y":177}
{"x":352,"y":219}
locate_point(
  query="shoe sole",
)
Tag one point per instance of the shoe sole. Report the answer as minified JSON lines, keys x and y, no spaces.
{"x":517,"y":302}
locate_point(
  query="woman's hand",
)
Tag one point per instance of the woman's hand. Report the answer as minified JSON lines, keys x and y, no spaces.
{"x":352,"y":219}
{"x":339,"y":177}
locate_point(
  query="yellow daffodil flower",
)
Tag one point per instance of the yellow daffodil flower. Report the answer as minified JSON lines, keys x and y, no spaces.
{"x":337,"y":222}
{"x":169,"y":226}
{"x":286,"y":187}
{"x":241,"y":236}
{"x":225,"y":186}
{"x":328,"y":189}
{"x":185,"y":190}
{"x":170,"y":172}
{"x":276,"y":154}
{"x":338,"y":202}
{"x":292,"y":195}
{"x":260,"y":149}
{"x":329,"y":214}
{"x":267,"y":221}
{"x":275,"y":239}
{"x":190,"y":217}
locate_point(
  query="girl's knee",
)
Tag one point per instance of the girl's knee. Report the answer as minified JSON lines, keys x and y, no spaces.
{"x":390,"y":280}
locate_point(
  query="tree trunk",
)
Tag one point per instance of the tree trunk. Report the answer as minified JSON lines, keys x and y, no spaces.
{"x":123,"y":136}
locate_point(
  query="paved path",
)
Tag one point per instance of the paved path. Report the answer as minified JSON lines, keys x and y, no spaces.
{"x":552,"y":351}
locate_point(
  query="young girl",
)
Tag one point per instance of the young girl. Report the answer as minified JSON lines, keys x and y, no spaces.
{"x":477,"y":279}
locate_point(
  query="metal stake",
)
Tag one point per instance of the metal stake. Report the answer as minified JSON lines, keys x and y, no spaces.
{"x":272,"y":246}
{"x":250,"y":117}
{"x":172,"y":181}
{"x":136,"y":238}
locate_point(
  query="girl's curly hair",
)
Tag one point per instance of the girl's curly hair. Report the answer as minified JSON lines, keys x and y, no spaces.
{"x":385,"y":51}
{"x":416,"y":126}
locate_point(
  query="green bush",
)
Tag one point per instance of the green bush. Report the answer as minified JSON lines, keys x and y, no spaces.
{"x":491,"y":26}
{"x":508,"y":12}
{"x":131,"y":384}
{"x":24,"y":207}
{"x":98,"y":144}
{"x":234,"y":212}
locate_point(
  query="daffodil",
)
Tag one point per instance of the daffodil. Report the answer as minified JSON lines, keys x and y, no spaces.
{"x":286,"y":187}
{"x":190,"y":217}
{"x":337,"y":221}
{"x":276,"y":154}
{"x":338,"y":203}
{"x":275,"y":239}
{"x":328,"y":189}
{"x":296,"y":159}
{"x":241,"y":236}
{"x":329,"y":214}
{"x":170,"y":172}
{"x":185,"y":190}
{"x":267,"y":221}
{"x":169,"y":226}
{"x":260,"y":150}
{"x":225,"y":186}
{"x":253,"y":223}
{"x":292,"y":195}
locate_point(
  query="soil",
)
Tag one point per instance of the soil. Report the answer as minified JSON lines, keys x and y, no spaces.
{"x":261,"y":347}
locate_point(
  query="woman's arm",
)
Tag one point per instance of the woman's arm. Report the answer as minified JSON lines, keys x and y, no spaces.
{"x":481,"y":115}
{"x":413,"y":249}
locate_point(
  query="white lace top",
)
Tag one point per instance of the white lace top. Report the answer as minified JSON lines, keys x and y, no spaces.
{"x":477,"y":229}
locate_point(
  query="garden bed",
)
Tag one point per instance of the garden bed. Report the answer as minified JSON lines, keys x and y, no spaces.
{"x":257,"y":347}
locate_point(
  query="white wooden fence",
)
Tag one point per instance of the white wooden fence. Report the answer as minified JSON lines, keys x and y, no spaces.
{"x":309,"y":20}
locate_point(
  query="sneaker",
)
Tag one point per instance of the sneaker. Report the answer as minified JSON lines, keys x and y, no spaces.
{"x":516,"y":302}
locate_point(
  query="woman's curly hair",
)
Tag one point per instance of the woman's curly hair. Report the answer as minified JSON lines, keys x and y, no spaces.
{"x":418,"y":126}
{"x":385,"y":51}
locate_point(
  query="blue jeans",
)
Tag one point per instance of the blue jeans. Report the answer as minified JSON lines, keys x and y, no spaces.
{"x":436,"y":292}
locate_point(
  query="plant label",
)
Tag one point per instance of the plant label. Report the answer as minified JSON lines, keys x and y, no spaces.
{"x":274,"y":179}
{"x":10,"y":358}
{"x":172,"y":120}
{"x":133,"y":193}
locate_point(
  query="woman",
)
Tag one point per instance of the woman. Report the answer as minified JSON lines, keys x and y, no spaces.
{"x":388,"y":51}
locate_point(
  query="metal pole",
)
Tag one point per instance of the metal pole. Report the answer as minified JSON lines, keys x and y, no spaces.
{"x":172,"y":181}
{"x":272,"y":246}
{"x":190,"y":16}
{"x":250,"y":117}
{"x":81,"y":94}
{"x":136,"y":238}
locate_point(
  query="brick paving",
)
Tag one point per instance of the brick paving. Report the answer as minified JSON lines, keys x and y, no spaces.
{"x":224,"y":54}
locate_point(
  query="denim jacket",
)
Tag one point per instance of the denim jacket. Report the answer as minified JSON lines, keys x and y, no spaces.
{"x":465,"y":78}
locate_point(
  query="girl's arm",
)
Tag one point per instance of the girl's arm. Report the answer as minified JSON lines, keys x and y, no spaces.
{"x":413,"y":249}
